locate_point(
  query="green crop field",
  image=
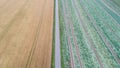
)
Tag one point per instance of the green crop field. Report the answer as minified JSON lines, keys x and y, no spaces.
{"x":117,"y":2}
{"x":89,"y":33}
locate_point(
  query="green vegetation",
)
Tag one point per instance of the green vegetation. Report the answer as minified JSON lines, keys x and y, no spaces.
{"x":65,"y":56}
{"x":53,"y":42}
{"x":117,"y":2}
{"x":71,"y":14}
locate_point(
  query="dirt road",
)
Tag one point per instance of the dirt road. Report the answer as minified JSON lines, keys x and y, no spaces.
{"x":26,"y":33}
{"x":57,"y":37}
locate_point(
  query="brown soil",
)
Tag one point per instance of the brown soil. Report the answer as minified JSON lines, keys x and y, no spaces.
{"x":26,"y":33}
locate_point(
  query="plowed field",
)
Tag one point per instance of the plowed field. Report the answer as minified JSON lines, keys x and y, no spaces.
{"x":26,"y":33}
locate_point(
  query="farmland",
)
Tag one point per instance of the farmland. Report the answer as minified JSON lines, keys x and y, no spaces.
{"x":26,"y":28}
{"x":89,"y":33}
{"x":59,"y":33}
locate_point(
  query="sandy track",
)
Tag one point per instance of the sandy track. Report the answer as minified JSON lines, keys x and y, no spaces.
{"x":26,"y":33}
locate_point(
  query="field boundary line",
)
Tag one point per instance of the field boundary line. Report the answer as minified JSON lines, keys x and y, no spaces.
{"x":57,"y":37}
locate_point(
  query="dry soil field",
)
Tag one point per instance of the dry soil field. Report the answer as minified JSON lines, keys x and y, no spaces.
{"x":26,"y":33}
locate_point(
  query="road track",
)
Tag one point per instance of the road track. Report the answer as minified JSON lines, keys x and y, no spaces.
{"x":26,"y":33}
{"x":57,"y":37}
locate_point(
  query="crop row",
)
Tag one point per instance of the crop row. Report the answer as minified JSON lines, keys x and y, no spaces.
{"x":90,"y":28}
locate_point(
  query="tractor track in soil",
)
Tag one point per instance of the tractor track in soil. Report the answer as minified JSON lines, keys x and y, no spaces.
{"x":69,"y":41}
{"x":99,"y":31}
{"x":82,"y":25}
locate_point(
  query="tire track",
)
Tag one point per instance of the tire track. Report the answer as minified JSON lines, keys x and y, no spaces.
{"x":70,"y":48}
{"x":107,"y":25}
{"x":76,"y":45}
{"x":74,"y":38}
{"x":112,"y":5}
{"x":36,"y":38}
{"x":112,"y":30}
{"x":114,"y":16}
{"x":102,"y":1}
{"x":99,"y":31}
{"x":69,"y":41}
{"x":110,"y":46}
{"x":87,"y":34}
